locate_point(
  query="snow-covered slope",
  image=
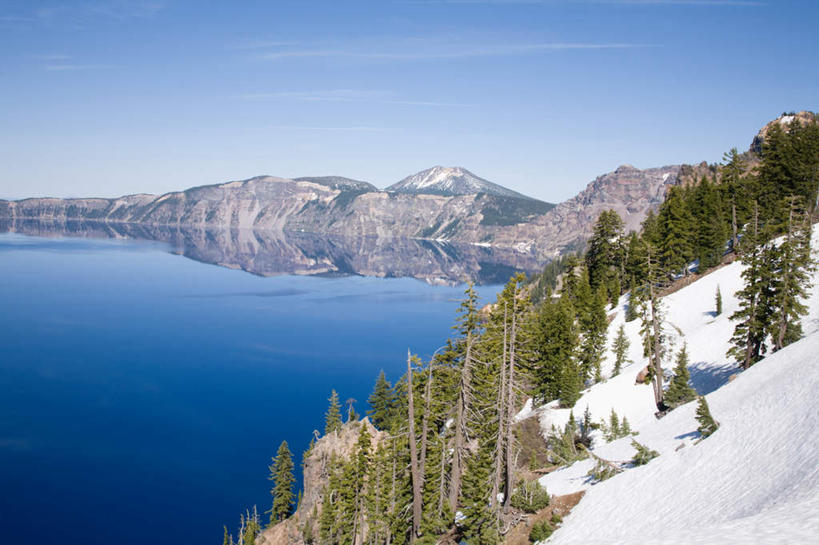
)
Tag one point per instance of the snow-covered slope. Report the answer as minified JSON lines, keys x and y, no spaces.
{"x":450,"y":181}
{"x":756,"y":480}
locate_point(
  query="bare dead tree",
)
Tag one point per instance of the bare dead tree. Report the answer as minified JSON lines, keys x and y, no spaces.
{"x":510,"y":409}
{"x":425,"y":421}
{"x":500,"y":415}
{"x":415,"y":475}
{"x":463,"y":404}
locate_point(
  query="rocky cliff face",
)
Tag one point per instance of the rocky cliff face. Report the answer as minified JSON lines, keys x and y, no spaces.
{"x":630,"y":191}
{"x":339,"y":207}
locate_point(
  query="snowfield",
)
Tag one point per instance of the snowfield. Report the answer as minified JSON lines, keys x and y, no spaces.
{"x":756,"y":480}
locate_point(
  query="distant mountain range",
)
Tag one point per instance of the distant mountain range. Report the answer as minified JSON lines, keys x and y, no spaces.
{"x":442,"y":203}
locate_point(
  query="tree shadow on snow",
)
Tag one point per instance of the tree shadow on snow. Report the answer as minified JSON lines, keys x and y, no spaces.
{"x":707,"y":377}
{"x":689,"y":435}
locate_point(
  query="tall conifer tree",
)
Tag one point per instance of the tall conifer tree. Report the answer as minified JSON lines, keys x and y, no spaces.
{"x":332,"y":419}
{"x":281,"y":473}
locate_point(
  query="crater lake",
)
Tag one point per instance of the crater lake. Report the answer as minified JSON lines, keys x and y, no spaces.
{"x":144,"y":393}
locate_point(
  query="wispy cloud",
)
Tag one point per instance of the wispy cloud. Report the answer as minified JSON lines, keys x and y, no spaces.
{"x":63,"y":67}
{"x":81,"y":15}
{"x":332,"y":95}
{"x":329,"y":129}
{"x":261,"y":44}
{"x":450,"y":53}
{"x":346,"y":95}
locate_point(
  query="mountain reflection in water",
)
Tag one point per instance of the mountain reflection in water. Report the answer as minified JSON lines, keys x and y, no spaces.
{"x":270,"y":253}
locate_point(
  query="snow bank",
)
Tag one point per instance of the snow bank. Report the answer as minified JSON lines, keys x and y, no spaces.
{"x":756,"y":480}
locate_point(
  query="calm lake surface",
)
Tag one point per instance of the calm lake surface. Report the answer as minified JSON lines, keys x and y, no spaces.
{"x":144,"y":393}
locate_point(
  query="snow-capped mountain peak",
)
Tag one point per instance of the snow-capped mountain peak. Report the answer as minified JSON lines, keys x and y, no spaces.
{"x":440,"y":180}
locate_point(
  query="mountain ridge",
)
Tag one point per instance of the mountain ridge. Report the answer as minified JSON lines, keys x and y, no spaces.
{"x":441,"y":203}
{"x":338,"y":206}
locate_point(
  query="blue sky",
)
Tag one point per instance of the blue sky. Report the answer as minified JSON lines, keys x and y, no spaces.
{"x":108,"y":97}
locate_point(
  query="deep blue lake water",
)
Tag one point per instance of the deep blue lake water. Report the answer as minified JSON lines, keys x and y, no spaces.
{"x":144,"y":393}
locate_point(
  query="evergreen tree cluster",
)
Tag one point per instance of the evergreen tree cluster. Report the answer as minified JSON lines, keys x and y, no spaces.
{"x":446,"y":441}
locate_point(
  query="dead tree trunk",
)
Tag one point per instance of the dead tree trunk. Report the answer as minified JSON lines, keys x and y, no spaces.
{"x":460,"y":413}
{"x":501,"y":410}
{"x":416,"y":477}
{"x":510,"y":412}
{"x":442,"y":479}
{"x":425,"y":422}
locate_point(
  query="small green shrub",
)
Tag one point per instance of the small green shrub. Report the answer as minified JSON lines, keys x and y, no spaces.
{"x":541,"y":530}
{"x":643,"y":455}
{"x":603,"y":471}
{"x":530,"y":497}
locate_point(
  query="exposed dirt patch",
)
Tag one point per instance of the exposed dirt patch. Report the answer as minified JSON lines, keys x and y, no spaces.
{"x":560,"y":505}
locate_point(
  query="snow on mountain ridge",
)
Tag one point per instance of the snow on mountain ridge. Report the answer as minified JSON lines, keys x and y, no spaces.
{"x":451,"y":181}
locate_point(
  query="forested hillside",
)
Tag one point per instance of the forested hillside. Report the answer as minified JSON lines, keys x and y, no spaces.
{"x":450,"y":457}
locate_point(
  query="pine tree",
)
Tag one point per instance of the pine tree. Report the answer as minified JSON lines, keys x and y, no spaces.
{"x":792,"y":279}
{"x":774,"y":180}
{"x":643,"y":455}
{"x":381,"y":403}
{"x":332,"y":419}
{"x":755,"y":298}
{"x":709,"y":234}
{"x":606,"y":254}
{"x":594,"y":324}
{"x":468,"y":326}
{"x":556,"y":371}
{"x":718,"y":302}
{"x":281,"y":473}
{"x":330,"y":508}
{"x":707,"y":424}
{"x":620,"y":348}
{"x":634,"y":300}
{"x":625,"y":427}
{"x":614,"y":426}
{"x":480,"y":524}
{"x":675,"y":228}
{"x":804,"y":161}
{"x":356,"y":483}
{"x":679,"y":390}
{"x":635,"y":261}
{"x":732,"y":172}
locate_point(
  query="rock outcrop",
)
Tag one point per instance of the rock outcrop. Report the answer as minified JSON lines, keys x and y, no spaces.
{"x":341,"y":444}
{"x":784,"y":120}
